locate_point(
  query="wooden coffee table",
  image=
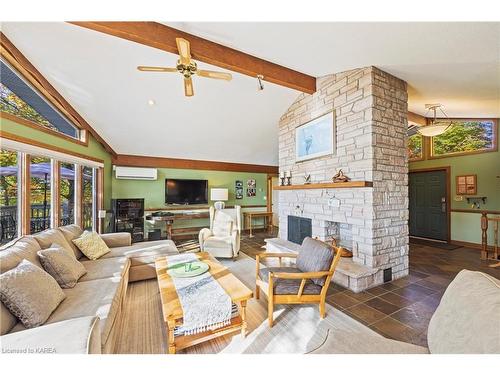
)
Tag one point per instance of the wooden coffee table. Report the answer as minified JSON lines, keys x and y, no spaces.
{"x":172,"y":310}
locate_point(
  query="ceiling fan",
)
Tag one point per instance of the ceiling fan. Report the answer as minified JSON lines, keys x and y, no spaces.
{"x":187,"y":68}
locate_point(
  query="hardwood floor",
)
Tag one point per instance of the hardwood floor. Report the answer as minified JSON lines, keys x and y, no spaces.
{"x":399,"y":310}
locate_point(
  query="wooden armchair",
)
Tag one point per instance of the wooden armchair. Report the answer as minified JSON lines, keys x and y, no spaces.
{"x":294,"y":285}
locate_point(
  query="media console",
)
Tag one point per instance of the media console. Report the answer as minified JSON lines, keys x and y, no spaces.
{"x":171,"y":217}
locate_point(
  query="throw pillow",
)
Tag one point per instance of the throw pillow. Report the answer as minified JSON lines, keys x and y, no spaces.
{"x":61,"y":266}
{"x":51,"y":236}
{"x":314,"y":256}
{"x":91,"y":245}
{"x":30,"y":293}
{"x":70,"y":232}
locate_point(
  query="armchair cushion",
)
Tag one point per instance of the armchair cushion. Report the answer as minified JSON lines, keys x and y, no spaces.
{"x":287,"y":286}
{"x":223,"y":224}
{"x":218,"y":242}
{"x":314,"y":256}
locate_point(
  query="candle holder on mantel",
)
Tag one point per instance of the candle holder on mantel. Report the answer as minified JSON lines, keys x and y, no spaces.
{"x":289,"y":180}
{"x":282,"y":178}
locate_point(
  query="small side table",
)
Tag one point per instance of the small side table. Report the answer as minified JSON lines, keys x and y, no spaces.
{"x":268,"y":220}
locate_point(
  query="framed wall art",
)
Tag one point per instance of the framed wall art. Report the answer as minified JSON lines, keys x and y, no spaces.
{"x":315,"y":138}
{"x":467,"y":184}
{"x":251,"y":188}
{"x":238,"y":189}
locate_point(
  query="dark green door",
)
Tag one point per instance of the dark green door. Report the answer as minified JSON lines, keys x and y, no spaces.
{"x":428,"y":208}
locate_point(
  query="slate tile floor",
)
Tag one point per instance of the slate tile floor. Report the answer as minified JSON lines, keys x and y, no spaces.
{"x":401,"y":309}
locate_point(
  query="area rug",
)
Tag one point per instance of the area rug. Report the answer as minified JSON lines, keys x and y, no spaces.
{"x":297,"y":329}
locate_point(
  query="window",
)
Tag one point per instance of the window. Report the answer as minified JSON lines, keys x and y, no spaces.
{"x":9,"y":225}
{"x":88,"y":208}
{"x":415,"y":147}
{"x":40,"y":193}
{"x":465,"y":136}
{"x":67,"y":193}
{"x":46,"y":200}
{"x":20,"y":99}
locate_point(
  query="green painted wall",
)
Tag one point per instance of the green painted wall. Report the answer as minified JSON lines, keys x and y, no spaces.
{"x":93,"y":149}
{"x":153,"y":192}
{"x":466,"y":226}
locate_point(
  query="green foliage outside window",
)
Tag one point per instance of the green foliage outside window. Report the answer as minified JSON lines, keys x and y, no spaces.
{"x":11,"y":103}
{"x":464,"y":136}
{"x":415,"y":146}
{"x":8,"y":184}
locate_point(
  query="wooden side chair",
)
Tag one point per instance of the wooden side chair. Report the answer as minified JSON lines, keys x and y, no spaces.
{"x":307,"y":283}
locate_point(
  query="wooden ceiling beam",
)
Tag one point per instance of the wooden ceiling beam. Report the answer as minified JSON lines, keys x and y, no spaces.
{"x":161,"y":162}
{"x":160,"y":36}
{"x":16,"y":58}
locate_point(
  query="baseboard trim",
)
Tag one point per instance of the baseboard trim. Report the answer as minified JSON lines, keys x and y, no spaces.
{"x":472,"y":245}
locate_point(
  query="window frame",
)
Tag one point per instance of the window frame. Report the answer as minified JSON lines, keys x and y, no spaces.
{"x":424,"y":149}
{"x":24,"y":191}
{"x":82,"y":138}
{"x":494,"y":147}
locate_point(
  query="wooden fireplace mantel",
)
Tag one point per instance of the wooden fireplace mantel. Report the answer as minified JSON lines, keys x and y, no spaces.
{"x":327,"y":185}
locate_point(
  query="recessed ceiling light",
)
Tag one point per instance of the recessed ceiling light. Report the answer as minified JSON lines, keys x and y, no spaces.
{"x":151,"y":102}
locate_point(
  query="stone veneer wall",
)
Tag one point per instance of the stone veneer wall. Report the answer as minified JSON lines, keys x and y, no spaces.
{"x":371,"y":124}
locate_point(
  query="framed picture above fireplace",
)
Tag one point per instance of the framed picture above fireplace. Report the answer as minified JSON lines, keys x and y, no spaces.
{"x":315,"y":138}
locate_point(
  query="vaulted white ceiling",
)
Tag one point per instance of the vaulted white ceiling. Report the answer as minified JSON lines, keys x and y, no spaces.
{"x":456,"y":64}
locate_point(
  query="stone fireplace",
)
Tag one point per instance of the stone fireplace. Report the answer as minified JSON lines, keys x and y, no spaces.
{"x":370,"y":108}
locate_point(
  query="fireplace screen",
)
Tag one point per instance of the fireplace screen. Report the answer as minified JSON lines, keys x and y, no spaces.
{"x":298,"y":229}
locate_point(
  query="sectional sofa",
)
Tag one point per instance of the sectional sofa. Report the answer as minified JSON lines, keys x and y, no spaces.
{"x":86,"y":321}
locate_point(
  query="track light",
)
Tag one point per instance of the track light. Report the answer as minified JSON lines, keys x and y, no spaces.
{"x":260,"y":77}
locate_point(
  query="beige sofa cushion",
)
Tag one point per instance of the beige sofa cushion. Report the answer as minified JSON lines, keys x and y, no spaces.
{"x":92,"y":245}
{"x":53,"y":236}
{"x":11,"y":254}
{"x":7,"y":320}
{"x":117,"y":239}
{"x":30,"y":293}
{"x":73,"y":336}
{"x":105,"y":268}
{"x":150,"y":249}
{"x":102,"y":298}
{"x":467,"y":318}
{"x":64,"y":268}
{"x":70,"y":232}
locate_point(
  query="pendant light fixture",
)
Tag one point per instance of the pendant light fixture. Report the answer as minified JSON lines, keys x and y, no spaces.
{"x":436,"y":126}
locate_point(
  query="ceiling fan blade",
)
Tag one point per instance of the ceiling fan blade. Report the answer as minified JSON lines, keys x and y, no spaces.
{"x":216,"y":75}
{"x":188,"y":87}
{"x":155,"y":69}
{"x":184,"y":50}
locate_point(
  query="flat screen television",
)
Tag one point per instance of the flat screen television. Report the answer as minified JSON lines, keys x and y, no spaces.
{"x":179,"y":191}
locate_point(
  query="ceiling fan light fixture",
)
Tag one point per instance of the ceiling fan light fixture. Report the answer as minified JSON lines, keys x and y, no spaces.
{"x":187,"y":68}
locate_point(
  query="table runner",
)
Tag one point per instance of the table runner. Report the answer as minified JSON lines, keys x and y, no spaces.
{"x":205,"y":304}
